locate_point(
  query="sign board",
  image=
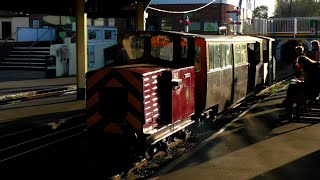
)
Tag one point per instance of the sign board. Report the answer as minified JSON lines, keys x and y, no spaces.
{"x":234,"y":11}
{"x":111,"y":22}
{"x":235,"y":22}
{"x":210,"y":26}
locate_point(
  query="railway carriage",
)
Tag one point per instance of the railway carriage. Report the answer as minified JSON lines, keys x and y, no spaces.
{"x":161,"y":82}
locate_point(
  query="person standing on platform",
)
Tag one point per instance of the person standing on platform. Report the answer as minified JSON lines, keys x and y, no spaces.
{"x":298,"y":69}
{"x":65,"y":56}
{"x":315,"y":52}
{"x":302,"y":89}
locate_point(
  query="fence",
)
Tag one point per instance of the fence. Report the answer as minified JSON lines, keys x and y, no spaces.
{"x":293,"y":25}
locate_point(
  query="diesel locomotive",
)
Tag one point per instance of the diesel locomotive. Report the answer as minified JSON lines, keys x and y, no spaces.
{"x":159,"y":83}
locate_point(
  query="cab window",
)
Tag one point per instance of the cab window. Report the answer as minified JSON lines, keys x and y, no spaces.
{"x":133,"y":47}
{"x":162,"y":47}
{"x":184,"y":47}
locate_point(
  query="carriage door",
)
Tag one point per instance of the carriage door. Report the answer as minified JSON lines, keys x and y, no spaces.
{"x":240,"y":78}
{"x":255,"y":62}
{"x":182,"y":93}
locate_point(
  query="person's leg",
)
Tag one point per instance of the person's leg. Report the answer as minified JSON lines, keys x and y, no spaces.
{"x":289,"y":96}
{"x":292,"y":92}
{"x":64,"y":67}
{"x":67,"y":67}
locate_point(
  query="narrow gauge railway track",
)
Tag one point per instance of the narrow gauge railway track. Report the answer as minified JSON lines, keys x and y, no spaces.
{"x":147,"y":167}
{"x":25,"y":141}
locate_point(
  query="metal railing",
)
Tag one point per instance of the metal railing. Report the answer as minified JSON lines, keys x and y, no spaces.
{"x":34,"y":42}
{"x":292,"y":25}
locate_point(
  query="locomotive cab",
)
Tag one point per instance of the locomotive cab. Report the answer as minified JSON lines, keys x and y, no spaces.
{"x":157,"y":47}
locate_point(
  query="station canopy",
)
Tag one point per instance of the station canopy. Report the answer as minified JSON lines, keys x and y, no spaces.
{"x":93,"y":8}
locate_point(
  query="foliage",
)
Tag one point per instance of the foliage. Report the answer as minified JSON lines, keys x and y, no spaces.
{"x":297,"y":8}
{"x":260,"y":12}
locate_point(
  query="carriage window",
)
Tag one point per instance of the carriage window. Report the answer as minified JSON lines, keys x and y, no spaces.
{"x":237,"y":54}
{"x":133,"y":47}
{"x":244,"y":53}
{"x":214,"y":56}
{"x":184,"y":47}
{"x":210,"y":54}
{"x":162,"y":47}
{"x":197,"y":58}
{"x":226,"y":55}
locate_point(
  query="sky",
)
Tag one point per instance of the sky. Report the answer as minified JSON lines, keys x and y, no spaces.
{"x":269,"y":3}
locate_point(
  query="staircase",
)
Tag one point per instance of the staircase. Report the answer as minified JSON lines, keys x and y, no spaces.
{"x":25,"y":58}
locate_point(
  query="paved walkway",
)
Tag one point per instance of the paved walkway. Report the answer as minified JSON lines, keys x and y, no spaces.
{"x":14,"y":83}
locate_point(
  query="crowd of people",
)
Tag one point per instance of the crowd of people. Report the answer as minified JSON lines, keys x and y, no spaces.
{"x":306,"y":87}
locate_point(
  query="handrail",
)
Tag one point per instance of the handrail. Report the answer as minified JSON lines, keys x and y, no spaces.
{"x":34,"y":44}
{"x":6,"y":40}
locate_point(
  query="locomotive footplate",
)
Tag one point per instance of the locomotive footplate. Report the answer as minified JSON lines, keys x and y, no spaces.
{"x":166,"y":131}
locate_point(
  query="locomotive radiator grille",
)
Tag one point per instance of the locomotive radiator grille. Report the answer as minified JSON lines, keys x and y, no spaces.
{"x":151,"y":109}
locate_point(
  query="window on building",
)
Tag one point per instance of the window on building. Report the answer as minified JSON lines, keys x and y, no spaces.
{"x":166,"y":23}
{"x":195,"y":27}
{"x":99,"y":22}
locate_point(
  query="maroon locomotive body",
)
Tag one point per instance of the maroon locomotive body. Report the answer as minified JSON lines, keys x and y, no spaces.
{"x":161,"y":82}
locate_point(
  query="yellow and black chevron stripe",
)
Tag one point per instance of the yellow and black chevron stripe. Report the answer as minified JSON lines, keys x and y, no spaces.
{"x":114,"y":100}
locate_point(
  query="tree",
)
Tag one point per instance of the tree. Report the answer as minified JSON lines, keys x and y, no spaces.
{"x":297,"y":8}
{"x":260,"y":12}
